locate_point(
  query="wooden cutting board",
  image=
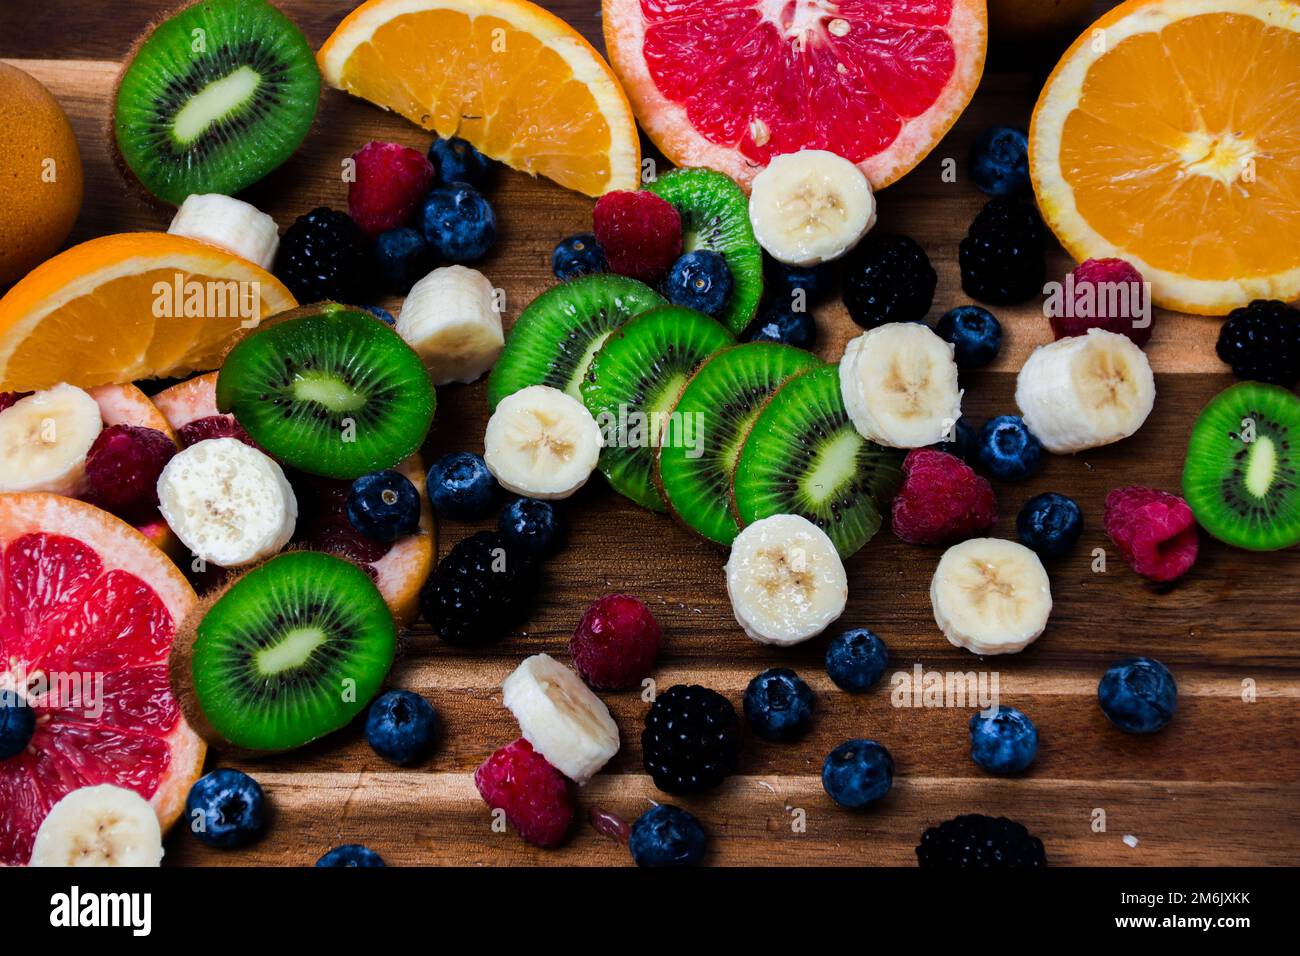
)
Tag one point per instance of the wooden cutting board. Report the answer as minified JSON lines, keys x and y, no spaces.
{"x":1221,"y":785}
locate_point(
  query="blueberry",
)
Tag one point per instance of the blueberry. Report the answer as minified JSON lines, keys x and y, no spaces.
{"x":533,"y":524}
{"x":782,"y":324}
{"x":1008,"y":449}
{"x":1005,"y":742}
{"x":458,"y":223}
{"x":667,"y":836}
{"x":1138,"y":695}
{"x":963,"y":441}
{"x":974,"y":333}
{"x":778,"y":704}
{"x":403,"y":258}
{"x":999,"y":161}
{"x":17,"y":724}
{"x":383,"y":315}
{"x":384,"y":506}
{"x":351,"y":854}
{"x":458,"y":162}
{"x":226,"y":808}
{"x":1049,"y":524}
{"x":858,"y":773}
{"x":578,"y":255}
{"x":402,"y":727}
{"x":798,"y":286}
{"x":461,"y":487}
{"x":856,"y":659}
{"x":699,"y":280}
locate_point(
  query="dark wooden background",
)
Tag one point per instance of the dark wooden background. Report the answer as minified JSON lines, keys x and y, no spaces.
{"x":1218,"y":786}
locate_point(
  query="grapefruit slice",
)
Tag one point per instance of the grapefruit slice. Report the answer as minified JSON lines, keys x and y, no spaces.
{"x":88,"y":610}
{"x":729,"y":84}
{"x":399,"y":570}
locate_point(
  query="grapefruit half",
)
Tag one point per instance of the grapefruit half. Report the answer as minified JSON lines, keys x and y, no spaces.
{"x":729,"y":84}
{"x":88,"y":610}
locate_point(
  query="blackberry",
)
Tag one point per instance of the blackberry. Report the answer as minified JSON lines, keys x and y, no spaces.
{"x":974,"y":841}
{"x":324,"y":256}
{"x":888,"y":279}
{"x":691,"y":739}
{"x":478,"y":590}
{"x":1004,"y":255}
{"x":1261,"y":341}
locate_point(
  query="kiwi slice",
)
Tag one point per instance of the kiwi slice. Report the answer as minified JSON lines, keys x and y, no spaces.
{"x":715,"y":216}
{"x":329,"y":390}
{"x":554,"y":338}
{"x":721,"y":400}
{"x":803,"y":456}
{"x":292,"y":650}
{"x":214,"y":98}
{"x":1240,"y":476}
{"x":633,"y":383}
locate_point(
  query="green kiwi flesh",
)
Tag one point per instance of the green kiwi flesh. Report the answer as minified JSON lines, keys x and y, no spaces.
{"x":722,"y":400}
{"x":291,"y":651}
{"x":330,"y":391}
{"x":803,"y":456}
{"x":214,"y":98}
{"x":1241,"y":476}
{"x":633,"y":383}
{"x":715,"y":217}
{"x":554,"y":338}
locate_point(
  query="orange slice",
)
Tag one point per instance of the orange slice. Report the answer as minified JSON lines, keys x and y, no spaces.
{"x":1169,"y":135}
{"x":516,"y":81}
{"x":130,"y":306}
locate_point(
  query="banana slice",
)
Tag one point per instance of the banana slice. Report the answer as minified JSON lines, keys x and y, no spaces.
{"x":99,"y":826}
{"x":559,"y":715}
{"x":991,"y":596}
{"x":811,"y":206}
{"x":229,"y":223}
{"x":541,"y":443}
{"x":899,"y":383}
{"x":450,"y":318}
{"x":785,"y":580}
{"x":1085,"y":391}
{"x":44,"y":440}
{"x":229,"y":503}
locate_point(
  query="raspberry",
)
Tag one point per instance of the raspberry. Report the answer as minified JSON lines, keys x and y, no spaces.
{"x":640,"y":233}
{"x":123,"y":465}
{"x":1261,"y":341}
{"x":691,"y":739}
{"x":10,"y":398}
{"x":534,"y":795}
{"x":1003,"y":257}
{"x":888,"y":279}
{"x":212,"y":426}
{"x":615,"y":643}
{"x":941,"y":499}
{"x":324,"y":256}
{"x":1154,"y":530}
{"x":1095,"y":300}
{"x":391,"y":182}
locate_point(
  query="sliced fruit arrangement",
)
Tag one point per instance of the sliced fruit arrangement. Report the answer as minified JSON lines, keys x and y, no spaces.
{"x":990,"y":596}
{"x":87,"y":595}
{"x":398,"y":567}
{"x":1157,"y":147}
{"x":729,"y":84}
{"x":511,"y":78}
{"x":130,"y":306}
{"x":719,"y":405}
{"x":330,"y":391}
{"x":715,"y":218}
{"x":555,"y":337}
{"x":1240,"y":475}
{"x":632,"y":384}
{"x":267,"y":665}
{"x":804,"y":457}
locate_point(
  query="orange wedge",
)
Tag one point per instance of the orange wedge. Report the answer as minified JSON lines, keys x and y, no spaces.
{"x":130,"y":306}
{"x":516,"y":81}
{"x":1169,"y":135}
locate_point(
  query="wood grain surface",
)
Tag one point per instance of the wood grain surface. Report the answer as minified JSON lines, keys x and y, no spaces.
{"x":1221,"y":785}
